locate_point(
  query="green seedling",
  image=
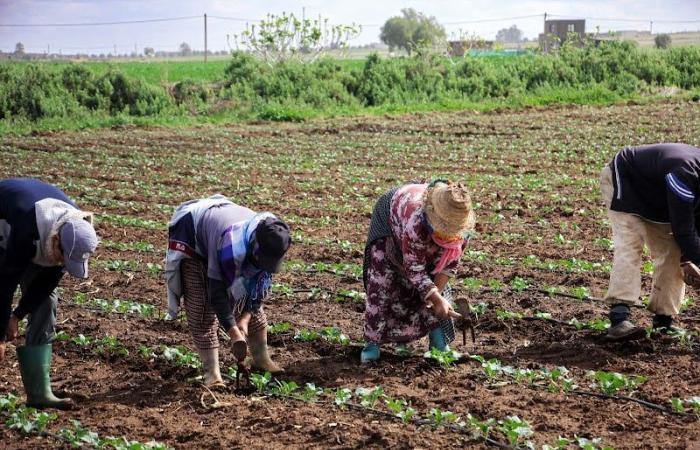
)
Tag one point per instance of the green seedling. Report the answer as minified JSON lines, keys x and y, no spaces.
{"x":479,"y":309}
{"x":332,"y":334}
{"x":342,"y":396}
{"x":260,"y":381}
{"x":560,"y":444}
{"x":439,"y":417}
{"x":9,"y":402}
{"x":591,"y":444}
{"x":305,"y":335}
{"x":181,"y":356}
{"x":29,"y":420}
{"x":519,"y":284}
{"x":611,"y":383}
{"x":285,"y":388}
{"x":516,"y":430}
{"x":311,"y":392}
{"x":369,"y":397}
{"x":508,"y":315}
{"x":280,"y":327}
{"x":443,"y":357}
{"x":480,"y":428}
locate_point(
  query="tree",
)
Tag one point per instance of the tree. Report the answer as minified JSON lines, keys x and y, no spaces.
{"x":411,"y":30}
{"x":285,"y":37}
{"x":512,"y":34}
{"x":662,"y":40}
{"x":149,"y":51}
{"x":19,"y":48}
{"x":185,"y":49}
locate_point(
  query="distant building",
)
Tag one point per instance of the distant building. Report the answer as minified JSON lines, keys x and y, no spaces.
{"x":459,"y":48}
{"x":557,"y":32}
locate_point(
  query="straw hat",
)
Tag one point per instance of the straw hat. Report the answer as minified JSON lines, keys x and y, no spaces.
{"x":448,"y":208}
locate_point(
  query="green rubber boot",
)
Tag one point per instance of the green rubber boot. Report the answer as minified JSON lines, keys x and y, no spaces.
{"x":34,"y":365}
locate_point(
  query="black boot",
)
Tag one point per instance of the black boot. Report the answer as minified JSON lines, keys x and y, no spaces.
{"x":621,"y":327}
{"x":664,"y":324}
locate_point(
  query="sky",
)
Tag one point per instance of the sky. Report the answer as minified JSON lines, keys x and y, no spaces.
{"x":369,"y":13}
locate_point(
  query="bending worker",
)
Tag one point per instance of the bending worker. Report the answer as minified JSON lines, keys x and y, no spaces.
{"x":221,"y":257}
{"x":652,"y":195}
{"x":416,"y":237}
{"x":42,"y":234}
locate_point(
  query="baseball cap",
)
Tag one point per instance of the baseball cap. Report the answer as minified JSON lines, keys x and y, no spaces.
{"x":272,"y":236}
{"x":78,"y":242}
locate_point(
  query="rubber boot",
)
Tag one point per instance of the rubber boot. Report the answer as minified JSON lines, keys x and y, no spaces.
{"x":257,"y":343}
{"x":210,"y":365}
{"x":664,"y":324}
{"x":35,"y":365}
{"x":370,"y":353}
{"x":438,"y":339}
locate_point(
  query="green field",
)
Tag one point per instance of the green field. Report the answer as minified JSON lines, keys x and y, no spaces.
{"x":75,"y":95}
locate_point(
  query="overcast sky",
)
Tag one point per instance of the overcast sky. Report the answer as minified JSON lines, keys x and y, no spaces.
{"x":370,"y":13}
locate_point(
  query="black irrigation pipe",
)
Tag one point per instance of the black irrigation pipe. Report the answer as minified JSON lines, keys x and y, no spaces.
{"x":645,"y":403}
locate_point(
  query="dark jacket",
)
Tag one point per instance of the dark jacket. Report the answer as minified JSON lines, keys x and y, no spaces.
{"x":19,"y":237}
{"x":661,"y":183}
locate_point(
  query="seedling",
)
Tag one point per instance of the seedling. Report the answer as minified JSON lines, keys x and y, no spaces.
{"x":284,"y":388}
{"x":519,"y":284}
{"x":439,"y":417}
{"x":560,"y":444}
{"x":611,"y":383}
{"x":311,"y":392}
{"x":305,"y":335}
{"x":181,"y":356}
{"x":280,"y":327}
{"x":369,"y":397}
{"x":481,"y":428}
{"x":443,"y":357}
{"x":508,"y":315}
{"x":515,"y":429}
{"x":342,"y":396}
{"x":260,"y":381}
{"x":29,"y":420}
{"x":332,"y":334}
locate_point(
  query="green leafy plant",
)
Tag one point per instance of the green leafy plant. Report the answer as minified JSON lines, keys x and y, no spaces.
{"x":311,"y":392}
{"x":443,"y":357}
{"x":260,"y":381}
{"x":332,"y":334}
{"x":515,"y":429}
{"x":342,"y":396}
{"x":305,"y":335}
{"x":369,"y":397}
{"x":439,"y":417}
{"x":181,"y":356}
{"x":29,"y":420}
{"x":611,"y":383}
{"x":280,"y":327}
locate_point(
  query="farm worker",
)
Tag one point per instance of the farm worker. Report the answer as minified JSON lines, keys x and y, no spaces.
{"x":416,"y":237}
{"x":220,"y":258}
{"x":652,"y":195}
{"x":42,"y":235}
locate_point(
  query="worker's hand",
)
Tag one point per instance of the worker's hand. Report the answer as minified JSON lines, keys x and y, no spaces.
{"x":243,"y":322}
{"x":691,"y":274}
{"x":238,"y":343}
{"x":441,"y":307}
{"x":2,"y":350}
{"x":13,"y":328}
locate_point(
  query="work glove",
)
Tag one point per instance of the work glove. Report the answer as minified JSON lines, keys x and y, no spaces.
{"x":691,"y":274}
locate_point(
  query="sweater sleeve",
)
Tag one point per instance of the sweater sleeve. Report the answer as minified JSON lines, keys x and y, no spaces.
{"x":43,"y":284}
{"x":221,"y":304}
{"x":681,"y":209}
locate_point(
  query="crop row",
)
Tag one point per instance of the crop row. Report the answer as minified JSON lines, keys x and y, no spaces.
{"x":29,"y":421}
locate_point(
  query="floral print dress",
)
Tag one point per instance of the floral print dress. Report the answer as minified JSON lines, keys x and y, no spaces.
{"x":399,"y":273}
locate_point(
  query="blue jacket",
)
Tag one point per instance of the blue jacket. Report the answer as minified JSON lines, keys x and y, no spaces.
{"x":19,"y":238}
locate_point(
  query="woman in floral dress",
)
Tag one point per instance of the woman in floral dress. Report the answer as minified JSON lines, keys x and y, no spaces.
{"x":416,"y":238}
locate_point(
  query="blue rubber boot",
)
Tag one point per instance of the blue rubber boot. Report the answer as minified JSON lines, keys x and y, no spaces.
{"x":370,"y":353}
{"x":438,"y":339}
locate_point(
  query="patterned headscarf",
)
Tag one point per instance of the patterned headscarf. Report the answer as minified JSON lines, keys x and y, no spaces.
{"x":247,"y":284}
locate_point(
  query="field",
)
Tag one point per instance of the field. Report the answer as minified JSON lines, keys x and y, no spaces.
{"x":533,"y":272}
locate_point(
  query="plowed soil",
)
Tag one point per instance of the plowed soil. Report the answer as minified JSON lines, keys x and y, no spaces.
{"x":534,"y":177}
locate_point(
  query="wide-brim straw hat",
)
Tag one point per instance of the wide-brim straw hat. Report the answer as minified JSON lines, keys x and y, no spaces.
{"x":448,"y":208}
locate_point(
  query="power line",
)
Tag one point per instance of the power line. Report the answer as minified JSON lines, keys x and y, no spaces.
{"x":235,"y":19}
{"x":96,"y":24}
{"x":504,"y":19}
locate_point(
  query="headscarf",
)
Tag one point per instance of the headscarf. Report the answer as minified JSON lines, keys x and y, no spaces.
{"x":247,"y":285}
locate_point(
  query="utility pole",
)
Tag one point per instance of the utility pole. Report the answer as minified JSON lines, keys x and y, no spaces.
{"x":205,"y":37}
{"x":651,"y":26}
{"x":115,"y":50}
